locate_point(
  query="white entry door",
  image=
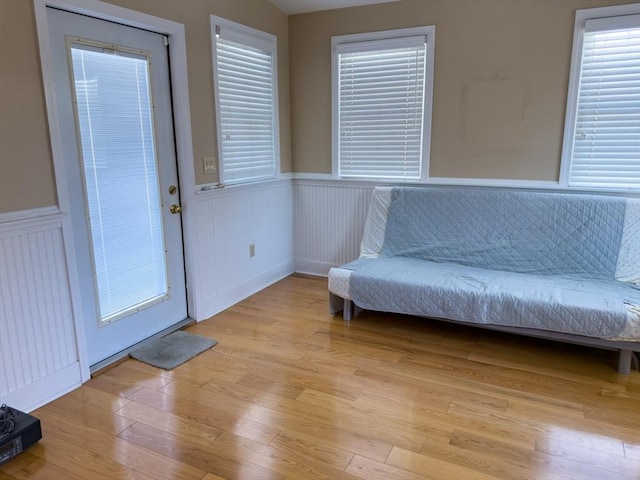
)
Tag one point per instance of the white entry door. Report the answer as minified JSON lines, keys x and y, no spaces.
{"x":113,"y":101}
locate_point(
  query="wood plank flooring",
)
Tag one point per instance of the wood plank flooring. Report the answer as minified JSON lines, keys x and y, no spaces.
{"x":291,"y":393}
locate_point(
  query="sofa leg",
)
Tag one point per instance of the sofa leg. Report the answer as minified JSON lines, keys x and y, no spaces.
{"x":624,"y":362}
{"x":335,"y":303}
{"x":347,"y":312}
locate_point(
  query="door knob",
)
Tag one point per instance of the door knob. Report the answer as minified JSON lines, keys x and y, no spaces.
{"x":175,"y":209}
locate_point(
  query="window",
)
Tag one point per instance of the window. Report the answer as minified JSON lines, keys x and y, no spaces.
{"x":112,"y":93}
{"x":382,"y":91}
{"x":245,"y":79}
{"x":602,"y":129}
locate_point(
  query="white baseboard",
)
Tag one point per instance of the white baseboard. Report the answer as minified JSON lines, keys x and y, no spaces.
{"x":319,"y":269}
{"x":232,"y":295}
{"x":40,"y":392}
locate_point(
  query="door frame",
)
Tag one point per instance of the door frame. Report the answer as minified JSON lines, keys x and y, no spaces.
{"x":182,"y":125}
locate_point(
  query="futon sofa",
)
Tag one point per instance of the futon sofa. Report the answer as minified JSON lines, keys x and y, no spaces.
{"x":550,"y":265}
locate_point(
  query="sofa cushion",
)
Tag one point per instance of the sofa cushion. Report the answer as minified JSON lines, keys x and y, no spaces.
{"x":458,"y":292}
{"x":526,"y":232}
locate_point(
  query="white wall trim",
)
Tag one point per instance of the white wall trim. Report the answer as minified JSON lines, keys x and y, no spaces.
{"x":62,"y":192}
{"x":542,"y":185}
{"x":328,"y":179}
{"x":182,"y":121}
{"x":314,"y":176}
{"x":204,"y":188}
{"x":30,"y":225}
{"x":56,"y":384}
{"x":206,"y":192}
{"x":551,"y":186}
{"x":18,"y":215}
{"x":492,"y":182}
{"x":318,"y":269}
{"x":431,"y":181}
{"x":236,"y":293}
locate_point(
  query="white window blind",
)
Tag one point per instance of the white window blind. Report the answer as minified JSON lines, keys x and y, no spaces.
{"x":381,"y":93}
{"x":606,"y":149}
{"x":114,"y":111}
{"x":245,"y":85}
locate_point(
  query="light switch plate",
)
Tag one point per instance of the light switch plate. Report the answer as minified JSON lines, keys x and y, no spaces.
{"x":209,"y":164}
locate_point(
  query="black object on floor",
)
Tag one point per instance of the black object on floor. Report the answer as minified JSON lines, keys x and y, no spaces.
{"x":18,"y":431}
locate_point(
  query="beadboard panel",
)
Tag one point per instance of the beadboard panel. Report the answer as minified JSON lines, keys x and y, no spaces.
{"x":38,"y":340}
{"x":329,"y":221}
{"x":228,"y":221}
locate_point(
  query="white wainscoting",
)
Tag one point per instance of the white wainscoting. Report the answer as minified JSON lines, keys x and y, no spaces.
{"x":228,"y":221}
{"x":38,"y":350}
{"x":329,"y":219}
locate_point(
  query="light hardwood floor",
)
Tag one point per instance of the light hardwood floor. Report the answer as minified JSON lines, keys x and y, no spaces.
{"x":291,"y":393}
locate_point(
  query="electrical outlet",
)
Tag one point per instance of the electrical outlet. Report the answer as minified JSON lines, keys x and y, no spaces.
{"x":252,"y":250}
{"x":209,"y":164}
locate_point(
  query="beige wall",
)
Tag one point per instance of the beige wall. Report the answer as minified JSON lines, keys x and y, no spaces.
{"x":26,"y":171}
{"x":501,"y":74}
{"x":500,"y":85}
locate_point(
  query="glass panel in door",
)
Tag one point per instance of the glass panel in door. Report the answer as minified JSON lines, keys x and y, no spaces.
{"x":115,"y":123}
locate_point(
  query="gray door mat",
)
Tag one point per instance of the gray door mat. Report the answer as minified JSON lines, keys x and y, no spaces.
{"x":173,"y":350}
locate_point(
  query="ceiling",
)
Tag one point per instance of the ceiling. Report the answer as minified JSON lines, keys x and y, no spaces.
{"x":293,"y":7}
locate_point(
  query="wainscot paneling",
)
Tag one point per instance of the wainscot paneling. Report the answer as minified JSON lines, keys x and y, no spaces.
{"x":38,"y":351}
{"x":329,"y":219}
{"x":228,"y":222}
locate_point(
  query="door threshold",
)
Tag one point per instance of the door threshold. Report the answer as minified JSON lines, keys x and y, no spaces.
{"x":110,"y":362}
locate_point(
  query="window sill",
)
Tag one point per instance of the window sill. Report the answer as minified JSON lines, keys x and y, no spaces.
{"x":210,"y":189}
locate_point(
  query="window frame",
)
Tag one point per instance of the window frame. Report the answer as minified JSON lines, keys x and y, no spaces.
{"x":429,"y":32}
{"x":258,"y":39}
{"x":574,"y":89}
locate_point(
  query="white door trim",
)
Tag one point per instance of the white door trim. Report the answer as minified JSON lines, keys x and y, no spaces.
{"x":182,"y":122}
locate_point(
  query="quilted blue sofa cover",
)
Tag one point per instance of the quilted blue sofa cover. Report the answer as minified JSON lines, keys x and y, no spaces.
{"x":546,"y":261}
